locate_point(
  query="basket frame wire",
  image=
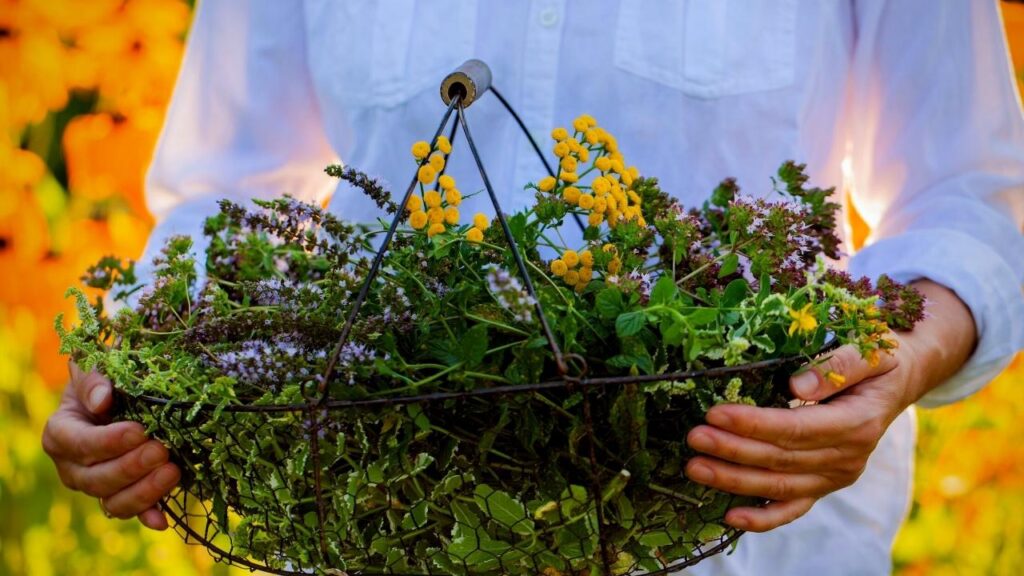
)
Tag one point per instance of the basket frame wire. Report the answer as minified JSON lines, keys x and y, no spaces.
{"x":572,"y":370}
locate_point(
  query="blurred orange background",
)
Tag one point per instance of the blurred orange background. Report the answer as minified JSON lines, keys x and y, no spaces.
{"x":83,"y":88}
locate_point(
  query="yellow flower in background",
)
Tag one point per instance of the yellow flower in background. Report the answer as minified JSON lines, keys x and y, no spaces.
{"x":595,"y":219}
{"x":559,"y":134}
{"x":561,"y":149}
{"x":571,"y":194}
{"x":546,"y":184}
{"x":571,"y":258}
{"x":587,"y":258}
{"x":586,"y":201}
{"x":558,"y":267}
{"x":569,"y":164}
{"x":437,"y":161}
{"x":474,"y":235}
{"x":803,"y":320}
{"x":453,"y":197}
{"x":435,"y":215}
{"x":446,"y":182}
{"x":481,"y":221}
{"x":570,"y":177}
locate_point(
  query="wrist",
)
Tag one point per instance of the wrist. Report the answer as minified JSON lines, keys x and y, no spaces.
{"x":940,"y":344}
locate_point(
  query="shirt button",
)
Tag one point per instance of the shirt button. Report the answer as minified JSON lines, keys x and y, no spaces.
{"x":548,"y":17}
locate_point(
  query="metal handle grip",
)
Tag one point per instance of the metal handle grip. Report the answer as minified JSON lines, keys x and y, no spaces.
{"x":468,"y":81}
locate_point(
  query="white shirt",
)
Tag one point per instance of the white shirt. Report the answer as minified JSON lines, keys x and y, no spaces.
{"x":918,"y":93}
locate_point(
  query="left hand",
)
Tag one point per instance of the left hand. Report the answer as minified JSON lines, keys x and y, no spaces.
{"x":793,"y":457}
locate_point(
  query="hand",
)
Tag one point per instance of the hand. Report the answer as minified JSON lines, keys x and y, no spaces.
{"x":793,"y":457}
{"x":113,"y":462}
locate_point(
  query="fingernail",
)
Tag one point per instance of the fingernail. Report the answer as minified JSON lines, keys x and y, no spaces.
{"x":700,"y":472}
{"x":132,"y":438}
{"x":96,"y":397}
{"x":719,"y":419}
{"x":152,"y":455}
{"x":166,"y":476}
{"x":701,"y":441}
{"x":805,"y":384}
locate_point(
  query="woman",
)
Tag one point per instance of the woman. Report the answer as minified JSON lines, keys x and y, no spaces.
{"x":916,"y":93}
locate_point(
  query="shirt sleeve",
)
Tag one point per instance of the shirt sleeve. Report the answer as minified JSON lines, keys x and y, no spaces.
{"x":937,"y":143}
{"x":243,"y":121}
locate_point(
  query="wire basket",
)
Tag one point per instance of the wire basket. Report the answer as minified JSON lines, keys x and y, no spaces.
{"x":374,"y":516}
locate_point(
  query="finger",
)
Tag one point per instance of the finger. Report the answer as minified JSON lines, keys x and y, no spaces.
{"x":144,"y":494}
{"x":68,"y":435}
{"x":770,"y":516}
{"x":844,"y":368}
{"x":733,"y":448}
{"x":110,"y":477}
{"x":154,"y":519}
{"x":801,"y":428}
{"x":748,"y":481}
{"x":92,"y":390}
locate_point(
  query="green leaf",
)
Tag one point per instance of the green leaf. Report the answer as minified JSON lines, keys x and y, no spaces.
{"x":735,"y":292}
{"x":664,"y":291}
{"x":474,"y":345}
{"x":630,"y":323}
{"x":729,"y":265}
{"x":702,"y":316}
{"x":504,"y":509}
{"x":608,"y":303}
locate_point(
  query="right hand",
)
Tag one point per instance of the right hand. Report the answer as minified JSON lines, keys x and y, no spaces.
{"x":114,"y":462}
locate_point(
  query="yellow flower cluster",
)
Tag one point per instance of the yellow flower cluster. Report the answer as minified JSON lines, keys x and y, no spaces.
{"x":574,"y":268}
{"x":610,"y":196}
{"x":438,"y":207}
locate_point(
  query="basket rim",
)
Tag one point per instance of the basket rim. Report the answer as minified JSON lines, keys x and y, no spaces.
{"x":574,"y":383}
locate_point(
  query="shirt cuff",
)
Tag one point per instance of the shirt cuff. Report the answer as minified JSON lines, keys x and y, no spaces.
{"x":978,"y":276}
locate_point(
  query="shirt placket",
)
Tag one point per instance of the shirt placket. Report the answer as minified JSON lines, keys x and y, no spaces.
{"x":537,"y":92}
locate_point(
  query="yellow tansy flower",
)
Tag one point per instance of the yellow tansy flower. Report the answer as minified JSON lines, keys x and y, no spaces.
{"x":432,"y":198}
{"x":603,"y":164}
{"x":586,"y":274}
{"x":587,"y":258}
{"x":584,"y":154}
{"x":571,"y":194}
{"x":633,"y":196}
{"x":453,"y":196}
{"x":444,"y":145}
{"x":546,"y":184}
{"x":451,"y":215}
{"x":570,"y":177}
{"x":569,"y":163}
{"x":571,"y":258}
{"x":592,"y":136}
{"x":446,"y":182}
{"x":558,"y":267}
{"x":595,"y":219}
{"x":601,"y":204}
{"x":586,"y":201}
{"x":559,"y":134}
{"x":414,"y":204}
{"x":610,"y":248}
{"x":437,"y":161}
{"x":615,"y":265}
{"x":426,"y":174}
{"x":435,"y":229}
{"x":561,"y":149}
{"x":418,"y":219}
{"x":435,"y":215}
{"x":633,"y":171}
{"x":474,"y":235}
{"x":420,"y":150}
{"x":481,"y":221}
{"x":627,"y":178}
{"x":803,"y":320}
{"x":601,"y":185}
{"x":580,"y":124}
{"x":617,"y":166}
{"x":571,"y":277}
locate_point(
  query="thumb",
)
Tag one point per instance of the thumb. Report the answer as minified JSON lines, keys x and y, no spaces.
{"x":93,"y":391}
{"x":842,"y":369}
